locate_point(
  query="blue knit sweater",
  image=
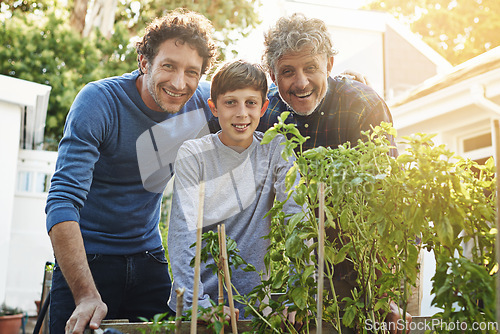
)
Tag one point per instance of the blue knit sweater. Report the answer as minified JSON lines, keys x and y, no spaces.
{"x":114,"y":160}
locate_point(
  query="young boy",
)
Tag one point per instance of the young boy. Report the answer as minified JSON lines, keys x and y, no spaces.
{"x":242,"y":179}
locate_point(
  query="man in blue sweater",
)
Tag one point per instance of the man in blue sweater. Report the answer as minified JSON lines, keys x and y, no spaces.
{"x":115,"y":158}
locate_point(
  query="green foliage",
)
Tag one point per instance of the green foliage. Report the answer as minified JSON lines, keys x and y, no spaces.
{"x":160,"y":323}
{"x":231,"y":19}
{"x":384,"y":210}
{"x":44,"y":49}
{"x":211,"y":249}
{"x":457,"y":29}
{"x":7,"y":310}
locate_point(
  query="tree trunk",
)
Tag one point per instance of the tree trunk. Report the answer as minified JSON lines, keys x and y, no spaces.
{"x":102,"y":16}
{"x":78,"y":14}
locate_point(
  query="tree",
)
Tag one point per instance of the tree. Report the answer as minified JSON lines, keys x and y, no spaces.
{"x":457,"y":29}
{"x":47,"y":42}
{"x":40,"y":46}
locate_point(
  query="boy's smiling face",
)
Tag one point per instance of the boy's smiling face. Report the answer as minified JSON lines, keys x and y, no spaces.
{"x":239,"y":113}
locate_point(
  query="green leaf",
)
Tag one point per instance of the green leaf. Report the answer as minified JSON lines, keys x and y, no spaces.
{"x":293,"y":245}
{"x":349,"y":316}
{"x":299,"y":296}
{"x":269,"y":135}
{"x":290,"y":177}
{"x":341,"y":255}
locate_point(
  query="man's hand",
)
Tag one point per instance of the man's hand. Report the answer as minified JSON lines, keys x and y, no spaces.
{"x":89,"y":311}
{"x":395,"y":320}
{"x":356,"y":76}
{"x":69,"y":251}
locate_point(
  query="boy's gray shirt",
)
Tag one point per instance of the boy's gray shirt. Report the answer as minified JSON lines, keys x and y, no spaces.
{"x":240,"y":189}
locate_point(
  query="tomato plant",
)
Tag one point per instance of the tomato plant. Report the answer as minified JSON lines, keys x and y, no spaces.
{"x":381,"y":211}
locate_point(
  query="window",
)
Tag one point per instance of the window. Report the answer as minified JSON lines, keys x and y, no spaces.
{"x":476,"y":145}
{"x":33,"y":182}
{"x":477,"y":142}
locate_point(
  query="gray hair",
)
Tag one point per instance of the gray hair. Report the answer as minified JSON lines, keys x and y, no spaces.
{"x":292,"y":34}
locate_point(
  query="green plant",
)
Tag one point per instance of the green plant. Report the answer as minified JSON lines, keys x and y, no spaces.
{"x":383,"y":210}
{"x":7,"y":310}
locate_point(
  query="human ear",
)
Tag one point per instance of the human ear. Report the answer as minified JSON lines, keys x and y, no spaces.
{"x":273,"y":77}
{"x":211,"y":104}
{"x":264,"y":108}
{"x":329,"y":64}
{"x":143,"y":63}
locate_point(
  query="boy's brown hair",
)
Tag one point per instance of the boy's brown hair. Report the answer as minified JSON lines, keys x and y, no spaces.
{"x":238,"y":74}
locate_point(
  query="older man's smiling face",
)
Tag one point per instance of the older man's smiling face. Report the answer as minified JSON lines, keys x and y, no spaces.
{"x":302,"y":79}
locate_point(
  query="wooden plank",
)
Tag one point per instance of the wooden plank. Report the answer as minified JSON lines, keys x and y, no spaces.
{"x":185,"y":328}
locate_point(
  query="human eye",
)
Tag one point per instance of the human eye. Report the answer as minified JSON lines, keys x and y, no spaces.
{"x":311,"y":68}
{"x":193,"y":73}
{"x":229,"y":102}
{"x":252,"y":103}
{"x":168,"y":66}
{"x":286,"y":72}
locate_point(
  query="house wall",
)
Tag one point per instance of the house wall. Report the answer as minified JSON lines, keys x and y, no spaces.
{"x":405,"y":66}
{"x":365,"y":55}
{"x":30,"y":246}
{"x":23,"y":107}
{"x":9,"y":137}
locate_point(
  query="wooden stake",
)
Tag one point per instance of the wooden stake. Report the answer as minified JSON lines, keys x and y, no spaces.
{"x":221,"y":266}
{"x":321,"y":257}
{"x":219,"y":274}
{"x":496,"y":133}
{"x":234,"y":324}
{"x":197,"y":260}
{"x":179,"y":309}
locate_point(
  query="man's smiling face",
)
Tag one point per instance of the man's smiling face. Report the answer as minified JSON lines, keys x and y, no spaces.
{"x":302,"y":79}
{"x":173,"y":76}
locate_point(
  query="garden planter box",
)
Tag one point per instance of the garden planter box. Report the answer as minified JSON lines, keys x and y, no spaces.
{"x":11,"y":324}
{"x":144,"y":328}
{"x":419,"y":325}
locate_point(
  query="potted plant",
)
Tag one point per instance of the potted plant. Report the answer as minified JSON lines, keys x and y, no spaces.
{"x":11,"y":319}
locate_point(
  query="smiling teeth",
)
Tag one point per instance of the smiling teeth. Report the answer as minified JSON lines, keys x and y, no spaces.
{"x":172,"y":94}
{"x":304,"y":94}
{"x":240,"y":126}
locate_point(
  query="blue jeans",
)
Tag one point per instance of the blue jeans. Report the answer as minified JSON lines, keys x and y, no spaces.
{"x":132,"y":286}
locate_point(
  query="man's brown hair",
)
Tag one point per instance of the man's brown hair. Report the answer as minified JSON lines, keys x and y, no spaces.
{"x":185,"y":27}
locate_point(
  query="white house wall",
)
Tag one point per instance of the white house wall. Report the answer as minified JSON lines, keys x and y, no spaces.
{"x":9,"y":137}
{"x":23,"y":108}
{"x":30,"y":245}
{"x":365,"y":56}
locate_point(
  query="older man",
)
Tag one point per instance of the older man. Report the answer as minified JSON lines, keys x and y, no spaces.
{"x":299,"y":56}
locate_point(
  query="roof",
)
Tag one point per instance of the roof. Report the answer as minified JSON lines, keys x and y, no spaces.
{"x":33,"y":100}
{"x":471,"y":68}
{"x":21,"y":92}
